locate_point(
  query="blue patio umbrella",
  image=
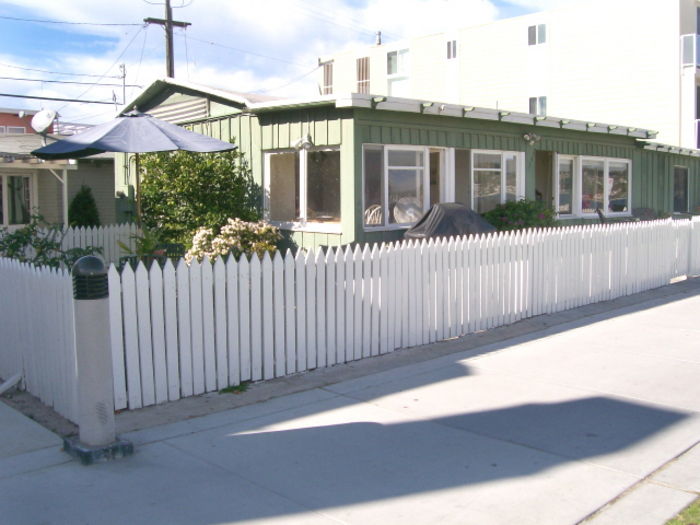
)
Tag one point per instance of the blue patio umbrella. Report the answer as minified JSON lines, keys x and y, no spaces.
{"x":133,"y":132}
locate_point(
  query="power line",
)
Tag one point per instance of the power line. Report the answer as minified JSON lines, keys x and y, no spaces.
{"x":247,"y":52}
{"x":296,"y":79}
{"x":38,"y":21}
{"x":110,"y":67}
{"x":68,"y":82}
{"x":56,"y":98}
{"x":57,"y":72}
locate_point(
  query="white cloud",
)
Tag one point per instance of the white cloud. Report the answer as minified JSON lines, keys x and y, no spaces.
{"x":262,"y":45}
{"x":544,"y":5}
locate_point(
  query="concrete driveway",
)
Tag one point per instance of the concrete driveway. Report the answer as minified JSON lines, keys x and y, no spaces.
{"x":591,"y":415}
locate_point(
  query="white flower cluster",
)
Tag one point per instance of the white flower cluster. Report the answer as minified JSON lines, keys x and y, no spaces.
{"x":236,"y":237}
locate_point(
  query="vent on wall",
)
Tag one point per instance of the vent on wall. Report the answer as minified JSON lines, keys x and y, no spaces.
{"x":180,"y":112}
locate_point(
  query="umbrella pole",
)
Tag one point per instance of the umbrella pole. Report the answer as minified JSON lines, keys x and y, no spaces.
{"x":138,"y":190}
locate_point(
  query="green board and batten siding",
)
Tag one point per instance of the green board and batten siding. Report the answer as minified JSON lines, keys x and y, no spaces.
{"x":652,"y":171}
{"x":351,"y":128}
{"x":256,"y":134}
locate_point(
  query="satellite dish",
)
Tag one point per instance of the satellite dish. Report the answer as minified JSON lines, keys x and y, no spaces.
{"x":43,"y":120}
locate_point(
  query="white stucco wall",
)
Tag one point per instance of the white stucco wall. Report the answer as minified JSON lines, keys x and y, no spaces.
{"x":614,"y":62}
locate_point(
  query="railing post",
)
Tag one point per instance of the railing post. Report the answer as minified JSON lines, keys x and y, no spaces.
{"x":96,"y":439}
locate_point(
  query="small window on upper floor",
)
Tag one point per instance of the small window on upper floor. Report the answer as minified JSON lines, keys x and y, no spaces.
{"x":537,"y":34}
{"x":397,"y":70}
{"x":451,"y":49}
{"x":538,"y":106}
{"x":397,"y":62}
{"x":327,"y":88}
{"x":363,"y":75}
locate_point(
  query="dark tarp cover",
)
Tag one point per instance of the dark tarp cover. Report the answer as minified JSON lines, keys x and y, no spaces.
{"x":448,"y":219}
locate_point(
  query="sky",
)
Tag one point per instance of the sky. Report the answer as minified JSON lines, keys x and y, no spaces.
{"x":75,"y":48}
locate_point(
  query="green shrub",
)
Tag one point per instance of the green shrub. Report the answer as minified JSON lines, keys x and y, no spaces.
{"x":521,"y":214}
{"x":183,"y":191}
{"x":83,"y":209}
{"x":237,"y":237}
{"x":39,"y":243}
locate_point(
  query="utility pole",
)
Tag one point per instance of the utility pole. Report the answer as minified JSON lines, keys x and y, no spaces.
{"x":168,"y":23}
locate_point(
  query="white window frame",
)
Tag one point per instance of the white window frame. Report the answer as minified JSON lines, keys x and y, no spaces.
{"x":519,"y":173}
{"x":16,"y":130}
{"x":540,"y":34}
{"x":5,"y":197}
{"x":403,"y":59}
{"x":303,"y":224}
{"x":689,"y":50}
{"x":425,"y":180}
{"x":2,"y":130}
{"x":362,"y":66}
{"x":327,"y":83}
{"x":575,"y":186}
{"x":576,"y":208}
{"x":540,"y":104}
{"x":451,"y":49}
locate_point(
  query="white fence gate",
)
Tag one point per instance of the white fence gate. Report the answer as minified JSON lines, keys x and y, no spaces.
{"x":185,"y":330}
{"x":37,"y":334}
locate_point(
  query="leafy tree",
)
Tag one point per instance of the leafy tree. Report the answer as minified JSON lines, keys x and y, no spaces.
{"x":182,"y":192}
{"x":83,"y":209}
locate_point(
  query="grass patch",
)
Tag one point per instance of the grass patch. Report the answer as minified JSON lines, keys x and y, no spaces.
{"x":238,"y":389}
{"x":689,"y":516}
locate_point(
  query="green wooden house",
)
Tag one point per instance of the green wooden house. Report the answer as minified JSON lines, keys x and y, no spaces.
{"x":338,"y":169}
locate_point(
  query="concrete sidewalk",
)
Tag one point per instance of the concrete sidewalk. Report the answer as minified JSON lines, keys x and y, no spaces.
{"x":589,"y":415}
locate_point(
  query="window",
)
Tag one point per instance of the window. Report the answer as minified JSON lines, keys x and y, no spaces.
{"x":584,"y":185}
{"x":451,"y":49}
{"x":495,"y":178}
{"x":363,"y":75}
{"x":689,"y":50}
{"x":303,"y":186}
{"x":15,"y":200}
{"x":16,"y":129}
{"x":565,"y":187}
{"x":327,"y":88}
{"x":397,"y":72}
{"x":396,"y":185}
{"x":538,"y":106}
{"x":680,"y":189}
{"x":2,"y":129}
{"x":536,"y":35}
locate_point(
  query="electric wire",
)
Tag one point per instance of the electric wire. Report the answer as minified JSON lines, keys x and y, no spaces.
{"x":110,"y":67}
{"x":293,"y":81}
{"x":46,"y":81}
{"x":57,"y":72}
{"x":247,"y":52}
{"x":39,"y":21}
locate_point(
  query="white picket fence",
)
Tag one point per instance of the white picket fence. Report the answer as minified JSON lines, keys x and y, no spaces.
{"x":104,"y":237}
{"x":37,"y":333}
{"x":186,"y":330}
{"x":107,"y":238}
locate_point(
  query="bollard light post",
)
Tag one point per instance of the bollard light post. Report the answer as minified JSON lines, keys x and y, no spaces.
{"x":96,"y":439}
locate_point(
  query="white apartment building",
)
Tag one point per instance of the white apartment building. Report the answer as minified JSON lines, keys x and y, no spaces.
{"x":632,"y":63}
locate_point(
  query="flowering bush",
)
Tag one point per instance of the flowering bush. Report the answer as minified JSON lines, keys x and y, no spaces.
{"x":521,"y":214}
{"x":236,"y":237}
